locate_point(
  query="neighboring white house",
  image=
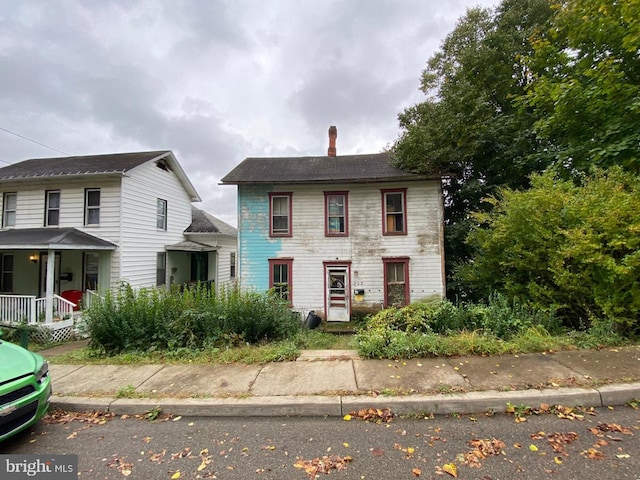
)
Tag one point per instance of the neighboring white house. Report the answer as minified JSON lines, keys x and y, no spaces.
{"x":77,"y":224}
{"x":339,"y":235}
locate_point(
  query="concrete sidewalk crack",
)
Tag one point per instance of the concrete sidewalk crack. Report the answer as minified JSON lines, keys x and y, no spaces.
{"x":253,"y":382}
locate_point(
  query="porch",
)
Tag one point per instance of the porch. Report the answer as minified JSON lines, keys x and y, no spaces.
{"x":41,"y":267}
{"x":30,"y":311}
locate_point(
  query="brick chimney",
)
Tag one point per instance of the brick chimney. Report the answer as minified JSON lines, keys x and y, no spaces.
{"x":333,"y":134}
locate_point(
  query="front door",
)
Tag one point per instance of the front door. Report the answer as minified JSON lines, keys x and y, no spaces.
{"x":337,"y":296}
{"x":199,"y":267}
{"x":43,"y":275}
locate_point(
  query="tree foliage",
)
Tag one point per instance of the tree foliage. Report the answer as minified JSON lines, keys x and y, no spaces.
{"x":470,"y":126}
{"x":572,"y":247}
{"x":585,"y":84}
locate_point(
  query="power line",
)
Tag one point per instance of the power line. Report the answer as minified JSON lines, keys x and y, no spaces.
{"x":32,"y":141}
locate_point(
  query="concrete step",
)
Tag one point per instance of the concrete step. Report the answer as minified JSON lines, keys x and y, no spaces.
{"x":311,"y":355}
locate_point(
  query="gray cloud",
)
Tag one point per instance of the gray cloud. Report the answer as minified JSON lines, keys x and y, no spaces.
{"x":214,"y":81}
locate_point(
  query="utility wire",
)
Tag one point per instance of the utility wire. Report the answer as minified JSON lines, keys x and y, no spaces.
{"x":32,"y":141}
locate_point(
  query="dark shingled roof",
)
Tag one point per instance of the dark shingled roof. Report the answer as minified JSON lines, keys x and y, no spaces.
{"x":202,"y":222}
{"x":79,"y":165}
{"x":344,"y":169}
{"x":58,"y":238}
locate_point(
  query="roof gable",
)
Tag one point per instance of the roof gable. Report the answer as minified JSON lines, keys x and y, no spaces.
{"x":325,"y":169}
{"x":78,"y":165}
{"x":89,"y":165}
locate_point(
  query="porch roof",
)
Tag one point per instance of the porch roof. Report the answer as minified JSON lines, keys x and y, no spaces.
{"x":191,"y":246}
{"x":52,"y":238}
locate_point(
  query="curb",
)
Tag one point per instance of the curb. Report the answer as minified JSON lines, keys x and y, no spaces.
{"x":338,"y":406}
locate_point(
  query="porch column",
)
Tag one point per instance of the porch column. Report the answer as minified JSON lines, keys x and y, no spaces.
{"x":51,"y":263}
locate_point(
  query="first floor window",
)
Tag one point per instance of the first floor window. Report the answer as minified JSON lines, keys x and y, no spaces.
{"x":92,"y":206}
{"x":161,"y":268}
{"x":91,"y":265}
{"x":161,"y":214}
{"x":394,"y":212}
{"x":232,"y":265}
{"x":280,"y":278}
{"x":9,"y":203}
{"x":396,"y":282}
{"x":6,"y":273}
{"x":52,"y":208}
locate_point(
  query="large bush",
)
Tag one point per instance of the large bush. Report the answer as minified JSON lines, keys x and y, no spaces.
{"x":155,"y":319}
{"x":574,"y":248}
{"x":440,"y":328}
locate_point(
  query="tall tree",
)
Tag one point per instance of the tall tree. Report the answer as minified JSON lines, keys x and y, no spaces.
{"x":585,"y":87}
{"x":573,"y":246}
{"x":469,"y":125}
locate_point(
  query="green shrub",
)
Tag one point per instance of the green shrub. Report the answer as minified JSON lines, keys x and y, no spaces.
{"x":149,"y":319}
{"x":572,"y":247}
{"x":438,"y":328}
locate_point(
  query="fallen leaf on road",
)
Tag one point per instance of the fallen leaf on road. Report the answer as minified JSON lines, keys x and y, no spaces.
{"x":451,"y":469}
{"x":377,"y":415}
{"x":323,"y":465}
{"x":610,"y":427}
{"x":376,"y":452}
{"x":417,"y":472}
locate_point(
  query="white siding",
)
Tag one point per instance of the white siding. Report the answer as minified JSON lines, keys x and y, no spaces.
{"x":30,"y":211}
{"x":364,"y":248}
{"x":141,"y":239}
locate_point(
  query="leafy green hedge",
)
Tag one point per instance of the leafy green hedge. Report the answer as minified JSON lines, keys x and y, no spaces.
{"x":575,"y":247}
{"x":441,"y":328}
{"x":155,"y":319}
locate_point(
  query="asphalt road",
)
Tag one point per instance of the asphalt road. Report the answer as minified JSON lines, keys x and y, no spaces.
{"x":605,"y":445}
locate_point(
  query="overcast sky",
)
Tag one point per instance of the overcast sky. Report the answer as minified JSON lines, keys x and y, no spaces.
{"x":214,"y":81}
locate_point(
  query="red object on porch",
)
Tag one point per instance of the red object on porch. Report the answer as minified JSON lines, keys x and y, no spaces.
{"x":74,"y":296}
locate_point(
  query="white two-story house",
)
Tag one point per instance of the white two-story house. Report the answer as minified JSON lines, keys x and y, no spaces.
{"x":339,"y":235}
{"x":73,"y":225}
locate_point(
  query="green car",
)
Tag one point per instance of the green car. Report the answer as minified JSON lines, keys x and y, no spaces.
{"x":25,"y":388}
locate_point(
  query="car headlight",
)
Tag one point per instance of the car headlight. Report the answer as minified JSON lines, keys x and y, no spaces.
{"x":43,"y":372}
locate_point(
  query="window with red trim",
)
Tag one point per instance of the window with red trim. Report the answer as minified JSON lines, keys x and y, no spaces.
{"x":396,"y":282}
{"x":394,"y":212}
{"x":336,"y":218}
{"x":280,"y":277}
{"x":280,"y":214}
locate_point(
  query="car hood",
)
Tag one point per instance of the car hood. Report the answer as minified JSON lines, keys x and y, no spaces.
{"x":15,"y":361}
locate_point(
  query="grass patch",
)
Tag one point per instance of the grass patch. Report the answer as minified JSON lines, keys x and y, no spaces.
{"x":127,"y":392}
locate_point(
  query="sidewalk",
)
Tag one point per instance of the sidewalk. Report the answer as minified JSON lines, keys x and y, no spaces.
{"x":336,"y":382}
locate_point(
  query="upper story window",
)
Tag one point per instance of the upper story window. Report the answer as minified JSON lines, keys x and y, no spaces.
{"x":336,"y":214}
{"x":280,"y":277}
{"x":92,"y":206}
{"x":9,"y":204}
{"x":161,"y":214}
{"x":52,"y":208}
{"x":280,"y":214}
{"x":394,"y":212}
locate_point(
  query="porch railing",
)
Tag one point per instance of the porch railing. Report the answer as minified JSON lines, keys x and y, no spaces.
{"x":32,"y":310}
{"x":62,"y":308}
{"x":89,"y":298}
{"x":18,"y":308}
